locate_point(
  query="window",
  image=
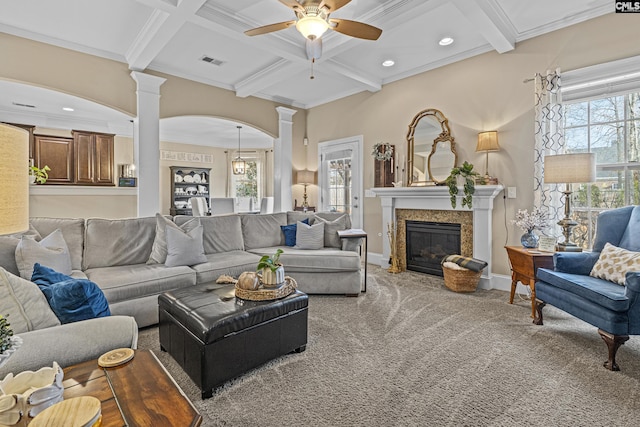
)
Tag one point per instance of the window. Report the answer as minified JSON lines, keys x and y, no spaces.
{"x":609,"y":127}
{"x":340,"y":185}
{"x":247,"y":188}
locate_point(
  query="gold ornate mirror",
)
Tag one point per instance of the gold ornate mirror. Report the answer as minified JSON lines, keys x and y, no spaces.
{"x":431,"y":149}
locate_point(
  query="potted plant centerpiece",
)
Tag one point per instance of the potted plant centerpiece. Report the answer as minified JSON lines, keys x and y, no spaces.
{"x":39,"y":175}
{"x":272,"y":269}
{"x":469,"y":176}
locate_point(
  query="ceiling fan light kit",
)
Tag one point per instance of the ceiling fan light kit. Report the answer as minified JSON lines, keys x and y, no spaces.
{"x":313,"y":20}
{"x":312,"y":27}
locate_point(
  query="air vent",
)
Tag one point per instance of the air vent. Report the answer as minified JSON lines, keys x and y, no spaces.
{"x":211,"y":60}
{"x":18,"y":104}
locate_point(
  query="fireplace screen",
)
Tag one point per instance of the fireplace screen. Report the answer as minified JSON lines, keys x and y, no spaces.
{"x":428,"y":243}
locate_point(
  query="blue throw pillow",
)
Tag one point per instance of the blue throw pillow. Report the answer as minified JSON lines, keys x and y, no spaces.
{"x":290,"y":232}
{"x":70,"y":299}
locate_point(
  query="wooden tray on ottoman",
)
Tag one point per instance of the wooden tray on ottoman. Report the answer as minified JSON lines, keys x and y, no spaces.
{"x":269,"y":293}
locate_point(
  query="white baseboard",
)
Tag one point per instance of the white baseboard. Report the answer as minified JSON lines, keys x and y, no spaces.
{"x":500,"y":282}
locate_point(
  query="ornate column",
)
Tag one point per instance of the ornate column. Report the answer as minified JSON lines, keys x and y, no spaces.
{"x":282,"y":161}
{"x":146,"y":142}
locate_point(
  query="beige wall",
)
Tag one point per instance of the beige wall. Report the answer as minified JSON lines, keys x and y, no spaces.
{"x":482,"y":93}
{"x":109,"y":83}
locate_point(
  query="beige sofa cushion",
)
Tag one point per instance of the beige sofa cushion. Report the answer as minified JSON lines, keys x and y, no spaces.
{"x":221,"y":233}
{"x":128,"y":282}
{"x":115,"y":242}
{"x":259,"y":231}
{"x":24,"y":304}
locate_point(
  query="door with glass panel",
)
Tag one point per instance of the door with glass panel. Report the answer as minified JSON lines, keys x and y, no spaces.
{"x":340,"y":177}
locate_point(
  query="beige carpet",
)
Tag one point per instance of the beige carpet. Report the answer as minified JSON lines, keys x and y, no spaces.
{"x":409,"y":352}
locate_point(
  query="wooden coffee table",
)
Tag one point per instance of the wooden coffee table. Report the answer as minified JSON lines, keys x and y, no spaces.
{"x":138,"y":393}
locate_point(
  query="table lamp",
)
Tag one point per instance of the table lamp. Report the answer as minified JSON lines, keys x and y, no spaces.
{"x":305,"y":178}
{"x":568,"y":169}
{"x":14,"y":176}
{"x":488,"y":141}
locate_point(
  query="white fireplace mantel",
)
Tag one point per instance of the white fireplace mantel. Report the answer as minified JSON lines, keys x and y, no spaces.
{"x":437,"y":198}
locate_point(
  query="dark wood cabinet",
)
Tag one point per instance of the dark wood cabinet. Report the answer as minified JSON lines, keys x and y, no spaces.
{"x":84,"y":159}
{"x":93,"y":158}
{"x":57,"y":153}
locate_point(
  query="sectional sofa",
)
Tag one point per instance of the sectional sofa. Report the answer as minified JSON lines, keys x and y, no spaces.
{"x":115,"y":253}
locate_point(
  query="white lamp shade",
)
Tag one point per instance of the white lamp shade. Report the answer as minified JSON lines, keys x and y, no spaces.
{"x":488,"y":141}
{"x":14,"y":176}
{"x":570,"y":168}
{"x":305,"y":177}
{"x":312,"y":27}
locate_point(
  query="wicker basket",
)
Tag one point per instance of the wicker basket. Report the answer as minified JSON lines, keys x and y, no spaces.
{"x":461,"y":280}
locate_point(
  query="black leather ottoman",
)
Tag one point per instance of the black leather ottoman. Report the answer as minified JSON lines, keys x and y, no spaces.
{"x":215,"y":336}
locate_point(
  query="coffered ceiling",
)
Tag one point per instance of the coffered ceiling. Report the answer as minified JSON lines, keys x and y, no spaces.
{"x":172,"y":36}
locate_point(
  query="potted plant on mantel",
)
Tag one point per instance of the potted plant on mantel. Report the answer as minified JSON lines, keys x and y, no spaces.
{"x":272,"y":269}
{"x":469,"y":176}
{"x":39,"y":175}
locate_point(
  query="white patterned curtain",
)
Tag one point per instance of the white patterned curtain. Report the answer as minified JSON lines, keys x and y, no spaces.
{"x":549,"y":139}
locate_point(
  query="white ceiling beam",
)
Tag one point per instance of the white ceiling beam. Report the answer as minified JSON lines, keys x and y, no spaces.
{"x":369,"y":83}
{"x":160,"y":28}
{"x":490,"y":21}
{"x":392,"y":12}
{"x":267,"y":77}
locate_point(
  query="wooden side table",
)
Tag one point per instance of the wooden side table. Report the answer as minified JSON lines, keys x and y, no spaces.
{"x":524,"y":265}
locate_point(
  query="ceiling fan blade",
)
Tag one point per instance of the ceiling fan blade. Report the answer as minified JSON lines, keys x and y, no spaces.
{"x":333,"y":5}
{"x":270,"y":28}
{"x":355,"y":29}
{"x":293,"y":4}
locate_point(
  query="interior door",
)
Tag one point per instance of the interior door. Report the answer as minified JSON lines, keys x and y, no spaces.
{"x":340,"y":177}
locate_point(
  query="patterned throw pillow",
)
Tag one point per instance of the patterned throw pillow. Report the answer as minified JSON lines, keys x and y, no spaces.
{"x":614,"y":263}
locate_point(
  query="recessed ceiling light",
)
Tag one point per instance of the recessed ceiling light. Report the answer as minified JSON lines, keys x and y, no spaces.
{"x":68,"y":109}
{"x":445,"y":41}
{"x":388,"y":63}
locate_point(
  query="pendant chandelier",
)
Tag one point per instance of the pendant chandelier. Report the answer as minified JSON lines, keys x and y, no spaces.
{"x":238,"y":165}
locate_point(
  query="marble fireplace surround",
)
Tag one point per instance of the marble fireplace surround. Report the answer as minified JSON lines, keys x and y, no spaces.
{"x":433,"y":204}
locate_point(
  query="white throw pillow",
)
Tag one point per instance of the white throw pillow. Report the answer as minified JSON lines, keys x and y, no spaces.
{"x":309,"y":236}
{"x":184,"y":248}
{"x":614,"y":263}
{"x":24,"y":305}
{"x":8,"y":246}
{"x":159,"y":250}
{"x":331,"y":228}
{"x":52,"y":252}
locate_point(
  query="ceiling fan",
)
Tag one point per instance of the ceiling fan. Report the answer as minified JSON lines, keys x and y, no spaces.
{"x":313,"y":20}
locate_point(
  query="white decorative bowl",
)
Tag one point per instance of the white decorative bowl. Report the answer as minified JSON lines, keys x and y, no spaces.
{"x":25,"y":395}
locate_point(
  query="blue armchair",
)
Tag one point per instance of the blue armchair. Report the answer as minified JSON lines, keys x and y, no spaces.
{"x":613,"y":309}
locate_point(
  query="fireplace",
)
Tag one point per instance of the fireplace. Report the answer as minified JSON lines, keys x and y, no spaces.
{"x":428,"y":242}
